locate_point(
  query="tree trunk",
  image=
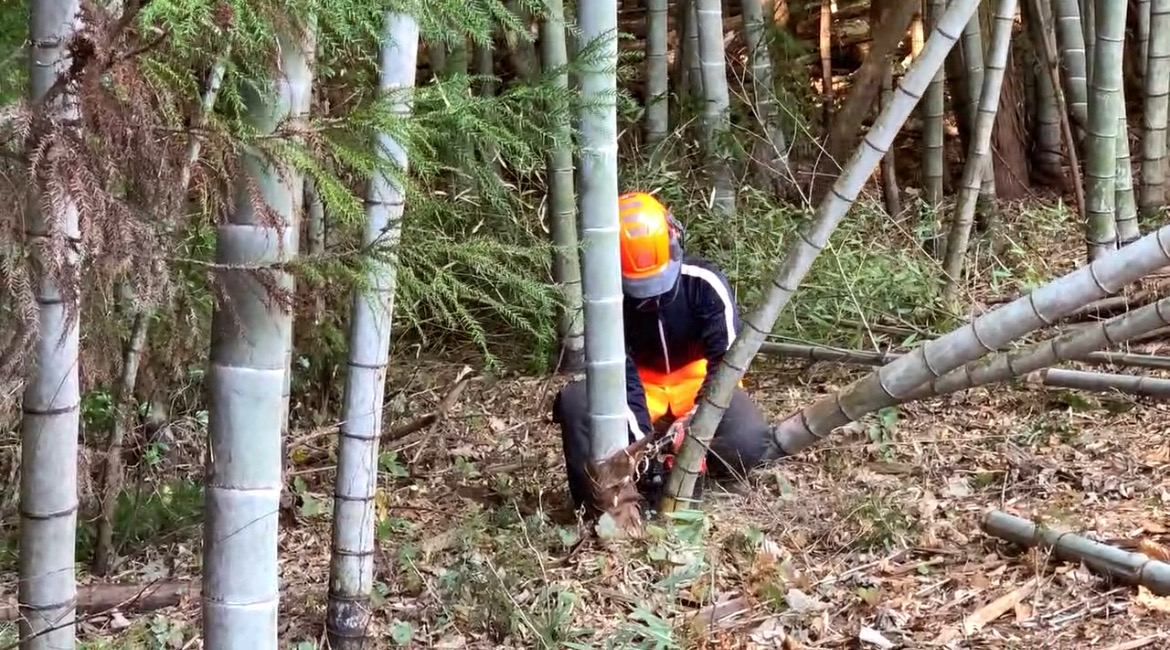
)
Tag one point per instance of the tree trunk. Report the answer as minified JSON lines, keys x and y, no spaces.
{"x":889,"y":174}
{"x":826,"y":51}
{"x":1010,"y":137}
{"x":521,"y":49}
{"x":888,"y":33}
{"x":891,"y":195}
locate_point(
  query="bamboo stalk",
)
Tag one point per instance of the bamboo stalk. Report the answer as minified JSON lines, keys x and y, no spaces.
{"x":1131,"y":568}
{"x":1103,"y":382}
{"x":830,"y":354}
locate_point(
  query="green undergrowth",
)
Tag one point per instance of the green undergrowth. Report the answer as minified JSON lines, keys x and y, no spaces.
{"x":150,"y":632}
{"x":515,"y":577}
{"x":148,"y":516}
{"x":500,"y":573}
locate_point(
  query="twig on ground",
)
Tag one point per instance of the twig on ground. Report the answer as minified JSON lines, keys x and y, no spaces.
{"x":438,"y":414}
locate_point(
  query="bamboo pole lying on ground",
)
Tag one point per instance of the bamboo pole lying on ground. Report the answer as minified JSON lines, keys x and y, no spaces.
{"x":871,"y":358}
{"x":105,"y":598}
{"x":1131,"y":568}
{"x":1102,"y":382}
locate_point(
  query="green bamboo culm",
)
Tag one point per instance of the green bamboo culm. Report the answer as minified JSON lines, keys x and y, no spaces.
{"x":1156,"y":85}
{"x":716,"y":117}
{"x":351,"y":566}
{"x":979,"y":150}
{"x":933,"y":110}
{"x":561,"y":203}
{"x":597,"y":183}
{"x":1101,"y":143}
{"x":1071,"y":41}
{"x":804,"y":250}
{"x":47,"y":591}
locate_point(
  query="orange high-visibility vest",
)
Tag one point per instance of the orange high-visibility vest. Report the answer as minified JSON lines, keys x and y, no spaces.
{"x":675,"y":391}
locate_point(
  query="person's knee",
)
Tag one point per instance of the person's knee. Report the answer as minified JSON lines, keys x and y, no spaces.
{"x":739,"y":453}
{"x":743,"y":438}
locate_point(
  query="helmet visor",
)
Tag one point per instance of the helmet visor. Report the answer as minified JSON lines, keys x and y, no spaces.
{"x":649,"y":286}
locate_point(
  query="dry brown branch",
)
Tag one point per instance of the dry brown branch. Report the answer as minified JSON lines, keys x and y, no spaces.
{"x":438,"y":414}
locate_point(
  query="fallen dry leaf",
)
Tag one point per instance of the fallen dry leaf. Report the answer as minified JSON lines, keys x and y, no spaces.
{"x":1150,"y":548}
{"x":1148,"y":600}
{"x":987,"y":613}
{"x":803,"y":603}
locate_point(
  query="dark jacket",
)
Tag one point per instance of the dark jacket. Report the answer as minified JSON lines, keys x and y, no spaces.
{"x":697,"y":321}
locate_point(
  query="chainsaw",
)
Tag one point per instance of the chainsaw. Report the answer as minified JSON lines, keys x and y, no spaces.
{"x":659,"y":460}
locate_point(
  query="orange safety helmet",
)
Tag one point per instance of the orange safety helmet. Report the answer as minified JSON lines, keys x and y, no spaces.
{"x":650,"y":249}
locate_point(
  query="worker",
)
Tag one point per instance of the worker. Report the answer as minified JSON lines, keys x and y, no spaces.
{"x":679,"y":319}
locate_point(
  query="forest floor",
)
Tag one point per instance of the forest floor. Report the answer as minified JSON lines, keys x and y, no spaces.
{"x":873,"y":534}
{"x":870,"y":540}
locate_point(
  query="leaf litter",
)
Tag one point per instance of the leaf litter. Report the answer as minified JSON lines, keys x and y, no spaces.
{"x":866,"y":541}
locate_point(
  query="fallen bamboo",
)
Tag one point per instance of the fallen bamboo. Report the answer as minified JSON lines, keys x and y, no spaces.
{"x":1101,"y":382}
{"x":829,"y":354}
{"x":1047,"y":353}
{"x":98,"y":598}
{"x":1124,"y":566}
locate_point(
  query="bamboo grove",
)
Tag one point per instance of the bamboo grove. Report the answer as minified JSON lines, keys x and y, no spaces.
{"x":252,"y":197}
